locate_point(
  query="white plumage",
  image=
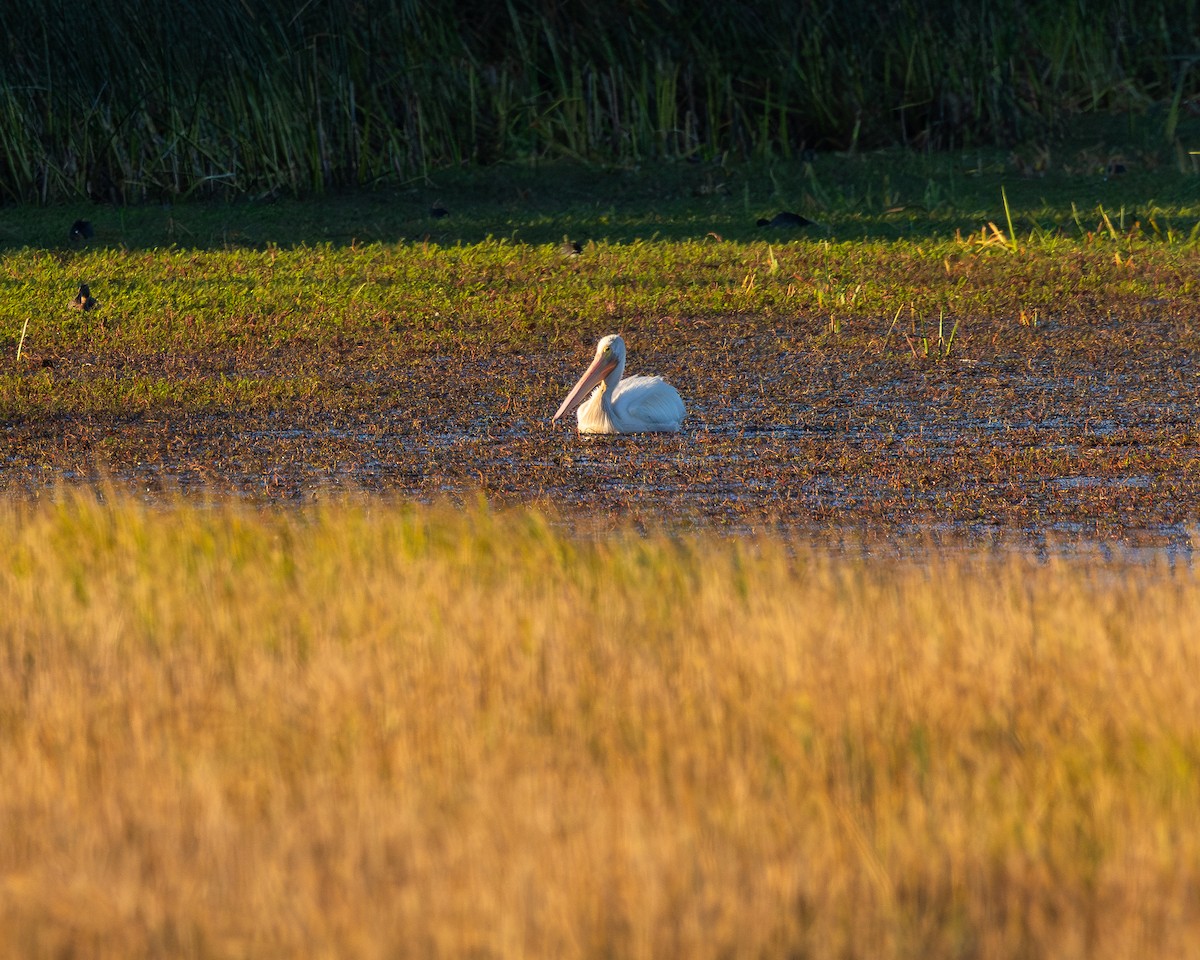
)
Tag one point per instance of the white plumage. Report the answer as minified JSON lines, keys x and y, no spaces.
{"x":608,"y":404}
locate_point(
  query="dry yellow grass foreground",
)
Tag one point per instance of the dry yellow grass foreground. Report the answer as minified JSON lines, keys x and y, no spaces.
{"x":388,"y":731}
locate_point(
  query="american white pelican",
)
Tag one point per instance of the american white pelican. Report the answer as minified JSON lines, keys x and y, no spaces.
{"x":634,"y":405}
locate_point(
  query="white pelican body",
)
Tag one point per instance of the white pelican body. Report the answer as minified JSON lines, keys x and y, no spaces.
{"x":634,"y":405}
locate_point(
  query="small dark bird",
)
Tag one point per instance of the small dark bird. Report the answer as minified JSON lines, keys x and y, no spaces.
{"x":437,"y":212}
{"x":81,"y":230}
{"x":571,"y":248}
{"x":84,"y":299}
{"x":785,"y":219}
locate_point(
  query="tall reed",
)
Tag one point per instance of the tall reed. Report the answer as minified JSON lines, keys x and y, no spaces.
{"x":368,"y":730}
{"x":135,"y":100}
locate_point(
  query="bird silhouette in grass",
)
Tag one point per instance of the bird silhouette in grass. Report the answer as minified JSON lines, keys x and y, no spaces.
{"x":84,"y":299}
{"x":785,"y":219}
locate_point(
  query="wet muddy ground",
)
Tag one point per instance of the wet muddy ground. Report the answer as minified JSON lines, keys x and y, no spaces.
{"x":1082,"y":432}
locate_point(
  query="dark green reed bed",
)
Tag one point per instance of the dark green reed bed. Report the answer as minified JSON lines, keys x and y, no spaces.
{"x":139,"y":100}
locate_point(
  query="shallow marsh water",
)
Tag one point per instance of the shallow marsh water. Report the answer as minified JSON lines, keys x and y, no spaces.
{"x":1094,"y":449}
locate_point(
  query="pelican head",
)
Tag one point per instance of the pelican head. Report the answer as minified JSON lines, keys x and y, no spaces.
{"x":607,"y":367}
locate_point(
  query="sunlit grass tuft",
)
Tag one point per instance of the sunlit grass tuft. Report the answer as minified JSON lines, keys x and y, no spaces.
{"x":372,"y":729}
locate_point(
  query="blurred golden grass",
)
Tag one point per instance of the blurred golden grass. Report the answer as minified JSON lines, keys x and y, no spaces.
{"x":384,"y":730}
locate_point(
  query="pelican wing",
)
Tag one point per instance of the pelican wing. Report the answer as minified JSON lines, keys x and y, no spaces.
{"x":644,"y":404}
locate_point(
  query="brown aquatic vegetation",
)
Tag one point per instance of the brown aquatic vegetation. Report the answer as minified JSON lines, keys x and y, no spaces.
{"x":366,"y":730}
{"x":1080,"y":427}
